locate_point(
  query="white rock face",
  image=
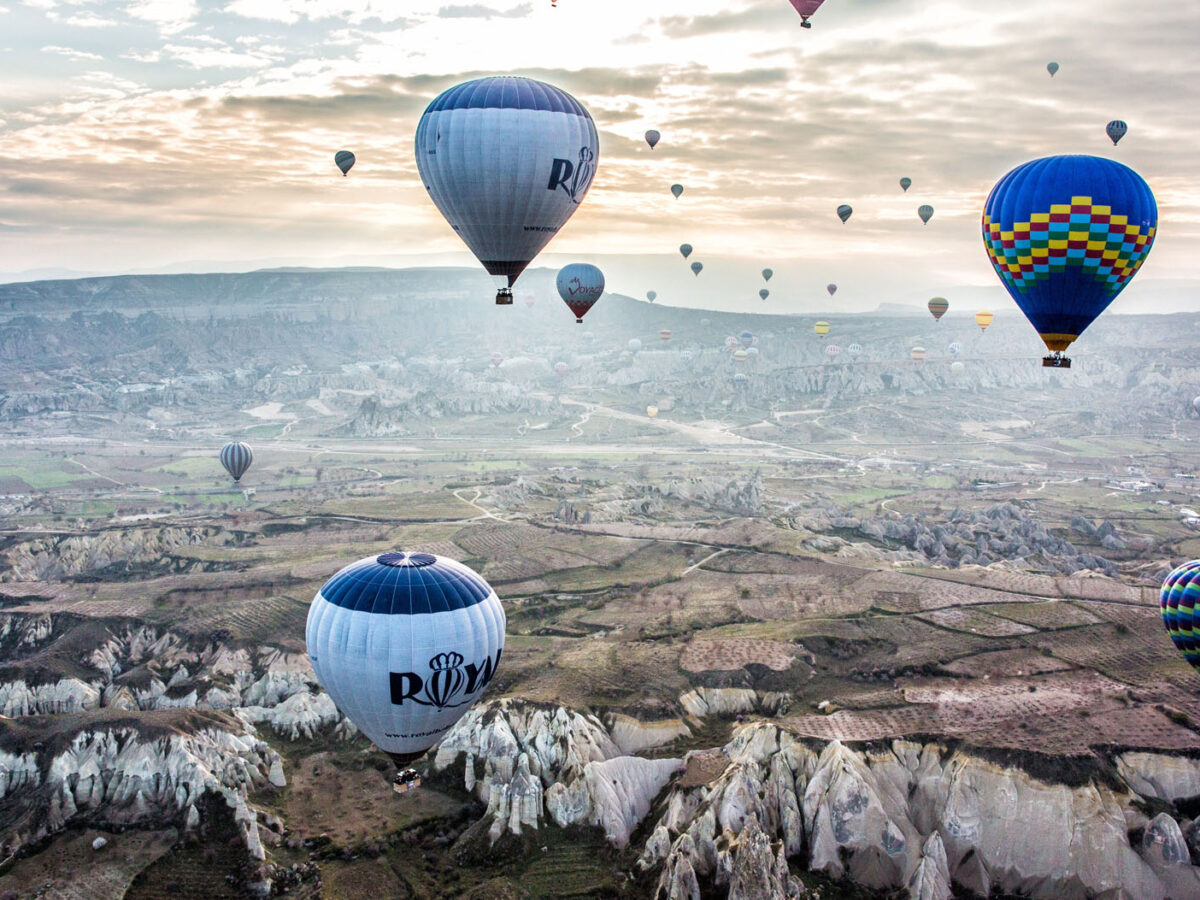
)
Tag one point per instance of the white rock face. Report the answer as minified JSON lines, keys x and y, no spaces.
{"x":68,"y":695}
{"x":704,"y":701}
{"x":632,"y":736}
{"x":615,"y":794}
{"x":909,"y":817}
{"x":1160,"y":776}
{"x":134,"y":780}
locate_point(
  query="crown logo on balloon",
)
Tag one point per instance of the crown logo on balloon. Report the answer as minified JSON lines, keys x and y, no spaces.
{"x":444,"y":661}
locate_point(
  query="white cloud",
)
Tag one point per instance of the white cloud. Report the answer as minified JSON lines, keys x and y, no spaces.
{"x":86,"y":20}
{"x":70,"y":52}
{"x":215,"y":57}
{"x":171,"y":16}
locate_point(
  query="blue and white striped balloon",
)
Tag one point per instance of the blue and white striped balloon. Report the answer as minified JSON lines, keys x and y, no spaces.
{"x":507,"y":160}
{"x":404,"y":643}
{"x":236,"y":458}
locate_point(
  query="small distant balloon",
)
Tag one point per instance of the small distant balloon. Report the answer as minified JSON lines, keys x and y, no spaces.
{"x":686,"y":250}
{"x":740,"y":356}
{"x":686,"y":355}
{"x":580,"y":285}
{"x":832,"y":351}
{"x":665,"y":335}
{"x":767,"y":273}
{"x":697,"y":267}
{"x":938,"y":307}
{"x":1052,"y":68}
{"x":905,"y":183}
{"x":821,"y":328}
{"x":832,"y":288}
{"x":1116,"y":130}
{"x":236,"y":458}
{"x":957,"y":368}
{"x":677,"y":189}
{"x":496,"y":358}
{"x":634,"y":345}
{"x":764,"y":293}
{"x":752,"y":353}
{"x":747,"y":338}
{"x":652,"y":137}
{"x":740,"y":378}
{"x":955,"y":348}
{"x":731,"y":342}
{"x":917,"y":353}
{"x":344,"y":160}
{"x":844,"y":212}
{"x":925,"y":212}
{"x":855,"y":349}
{"x":984,"y":319}
{"x":651,"y":296}
{"x":652,"y":411}
{"x":560,"y":369}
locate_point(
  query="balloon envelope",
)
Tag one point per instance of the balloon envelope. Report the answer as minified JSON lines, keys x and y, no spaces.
{"x":580,"y":286}
{"x":686,"y":250}
{"x":652,"y":411}
{"x":955,"y":348}
{"x":634,"y":345}
{"x":344,"y":160}
{"x":1196,"y":403}
{"x":821,"y":328}
{"x":832,"y":288}
{"x":236,"y":458}
{"x":507,"y":160}
{"x":905,"y":183}
{"x":1052,"y":68}
{"x":917,"y":353}
{"x":560,"y":369}
{"x":651,"y":296}
{"x":984,"y":319}
{"x":697,"y":267}
{"x":1066,"y":234}
{"x":854,"y":349}
{"x":747,"y":338}
{"x":652,"y":137}
{"x":404,"y":643}
{"x":496,"y":358}
{"x":665,"y":335}
{"x":740,"y":355}
{"x":1116,"y":130}
{"x":764,"y":293}
{"x":806,"y":7}
{"x":740,"y":378}
{"x":1177,"y":602}
{"x":677,"y":189}
{"x":832,"y":351}
{"x":938,"y":307}
{"x":767,"y":273}
{"x":925,"y":212}
{"x":844,"y":212}
{"x":957,"y":368}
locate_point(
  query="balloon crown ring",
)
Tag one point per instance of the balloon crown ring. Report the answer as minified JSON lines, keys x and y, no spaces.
{"x":406,"y":560}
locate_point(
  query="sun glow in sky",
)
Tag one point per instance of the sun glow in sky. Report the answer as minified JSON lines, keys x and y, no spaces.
{"x":173,"y":134}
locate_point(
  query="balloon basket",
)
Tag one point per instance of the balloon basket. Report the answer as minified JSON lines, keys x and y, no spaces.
{"x":406,"y":781}
{"x":1056,"y":362}
{"x":504,"y":297}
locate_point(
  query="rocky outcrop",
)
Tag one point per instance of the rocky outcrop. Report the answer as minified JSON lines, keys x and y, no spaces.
{"x":632,"y":735}
{"x":615,"y":795}
{"x":918,"y":818}
{"x":117,"y":551}
{"x":67,"y":695}
{"x":120,"y":777}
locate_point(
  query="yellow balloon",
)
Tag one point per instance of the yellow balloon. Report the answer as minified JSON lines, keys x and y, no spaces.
{"x":652,"y":411}
{"x":821,"y":328}
{"x":984,"y":319}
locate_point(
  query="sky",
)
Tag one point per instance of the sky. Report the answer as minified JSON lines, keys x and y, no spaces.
{"x":183,"y":135}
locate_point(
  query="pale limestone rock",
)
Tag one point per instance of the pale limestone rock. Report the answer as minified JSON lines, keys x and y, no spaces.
{"x":931,"y":880}
{"x":18,"y":772}
{"x":615,"y":794}
{"x":275,"y":774}
{"x":300,"y":715}
{"x":632,"y":736}
{"x":704,"y":701}
{"x":678,"y":880}
{"x":67,"y":695}
{"x":1160,"y":776}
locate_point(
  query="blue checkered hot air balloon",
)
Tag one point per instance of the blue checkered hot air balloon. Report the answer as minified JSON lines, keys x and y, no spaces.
{"x":1066,"y":234}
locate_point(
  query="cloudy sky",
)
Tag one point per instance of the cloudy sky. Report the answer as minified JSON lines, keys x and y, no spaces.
{"x":198,"y":134}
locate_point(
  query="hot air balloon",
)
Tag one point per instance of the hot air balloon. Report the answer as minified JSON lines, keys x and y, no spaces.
{"x":677,"y":189}
{"x":236,"y":458}
{"x":344,"y":160}
{"x":404,"y":643}
{"x":984,"y":319}
{"x":957,"y":368}
{"x":731,"y":342}
{"x":686,"y":355}
{"x":1116,"y":130}
{"x":955,"y":348}
{"x":938,"y":307}
{"x":855,"y":350}
{"x":740,"y":378}
{"x":925,"y":212}
{"x":1066,"y":234}
{"x":665,"y":335}
{"x":651,"y":296}
{"x":806,"y":8}
{"x":832,"y":288}
{"x":764,"y":293}
{"x":652,"y":411}
{"x":740,"y":355}
{"x":652,"y":137}
{"x":917,"y":353}
{"x":767,"y":273}
{"x":905,"y":183}
{"x":580,"y":286}
{"x":844,"y":212}
{"x":1196,"y":404}
{"x":634,"y":345}
{"x":1177,"y":603}
{"x":507,"y":160}
{"x":686,"y":250}
{"x":561,"y":369}
{"x":747,"y":338}
{"x":821,"y":328}
{"x":697,"y":267}
{"x":832,"y":351}
{"x":752,"y":353}
{"x":496,"y":358}
{"x":1052,"y":68}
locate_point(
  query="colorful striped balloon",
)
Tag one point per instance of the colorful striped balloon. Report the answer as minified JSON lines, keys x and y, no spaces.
{"x":1178,"y":602}
{"x":918,"y":353}
{"x":938,"y":307}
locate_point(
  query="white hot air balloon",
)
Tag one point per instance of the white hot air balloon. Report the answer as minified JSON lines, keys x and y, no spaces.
{"x":404,"y":643}
{"x":507,"y":160}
